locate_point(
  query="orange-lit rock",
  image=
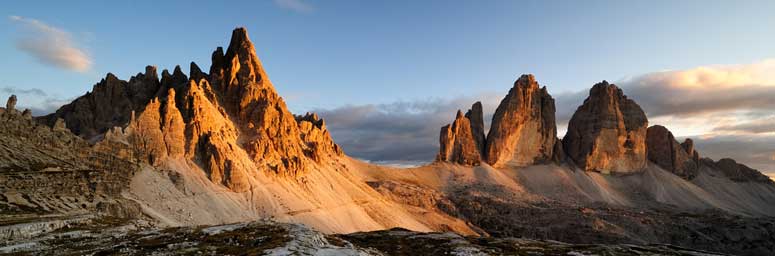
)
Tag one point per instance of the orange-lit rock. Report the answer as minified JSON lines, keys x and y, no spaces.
{"x":476,"y":116}
{"x":458,"y":143}
{"x":523,"y":130}
{"x":608,"y":132}
{"x":230,"y":122}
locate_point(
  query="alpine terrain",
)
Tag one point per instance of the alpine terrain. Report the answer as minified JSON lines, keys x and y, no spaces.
{"x":213,"y":162}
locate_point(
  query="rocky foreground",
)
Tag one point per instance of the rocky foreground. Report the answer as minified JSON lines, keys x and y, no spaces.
{"x":116,"y":237}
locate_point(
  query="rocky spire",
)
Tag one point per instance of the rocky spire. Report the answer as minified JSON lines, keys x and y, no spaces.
{"x":195,"y":73}
{"x":523,"y":130}
{"x":10,"y":105}
{"x":271,"y":133}
{"x":665,"y":151}
{"x":688,"y":146}
{"x":476,"y":117}
{"x":151,"y":74}
{"x":457,"y":142}
{"x":608,"y":132}
{"x":176,"y":80}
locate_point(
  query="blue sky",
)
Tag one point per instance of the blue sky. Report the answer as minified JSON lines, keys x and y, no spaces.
{"x":339,"y":52}
{"x":333,"y":56}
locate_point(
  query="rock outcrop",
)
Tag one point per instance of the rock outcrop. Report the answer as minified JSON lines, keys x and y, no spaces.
{"x":665,"y":151}
{"x":230,"y":122}
{"x":607,"y":133}
{"x":688,"y":146}
{"x":523,"y":130}
{"x":109,"y":104}
{"x":10,"y":105}
{"x":45,"y":170}
{"x":476,"y":116}
{"x":458,"y":142}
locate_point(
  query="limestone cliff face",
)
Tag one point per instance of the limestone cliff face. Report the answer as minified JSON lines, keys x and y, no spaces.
{"x":316,"y":137}
{"x":476,"y":116}
{"x":607,"y":133}
{"x":271,"y":134}
{"x":458,"y":142}
{"x":665,"y":151}
{"x":231,"y":121}
{"x":523,"y":130}
{"x":49,"y":170}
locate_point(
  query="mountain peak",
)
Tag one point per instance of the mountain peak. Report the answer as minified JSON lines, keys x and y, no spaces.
{"x":458,"y":142}
{"x":239,"y":36}
{"x":526,"y":80}
{"x":606,"y":116}
{"x":523,"y":130}
{"x":10,"y":105}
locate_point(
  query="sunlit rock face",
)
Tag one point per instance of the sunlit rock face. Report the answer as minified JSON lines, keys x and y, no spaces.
{"x":459,"y":141}
{"x":231,"y":121}
{"x":607,"y":133}
{"x":665,"y":151}
{"x":523,"y":130}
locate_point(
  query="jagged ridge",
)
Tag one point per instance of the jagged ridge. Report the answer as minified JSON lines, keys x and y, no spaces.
{"x":205,"y":118}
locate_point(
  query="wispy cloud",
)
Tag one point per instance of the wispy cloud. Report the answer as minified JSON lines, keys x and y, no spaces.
{"x":757,"y":126}
{"x":51,"y":45}
{"x":295,"y":5}
{"x":14,"y":90}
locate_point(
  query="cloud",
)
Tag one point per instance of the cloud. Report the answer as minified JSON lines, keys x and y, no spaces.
{"x":51,"y":45}
{"x":719,"y":102}
{"x":400,"y":131}
{"x":764,"y":125}
{"x":706,"y":99}
{"x":295,"y":5}
{"x":13,"y":90}
{"x":707,"y":89}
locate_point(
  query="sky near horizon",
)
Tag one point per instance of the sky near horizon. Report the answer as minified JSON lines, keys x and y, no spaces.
{"x":704,"y":69}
